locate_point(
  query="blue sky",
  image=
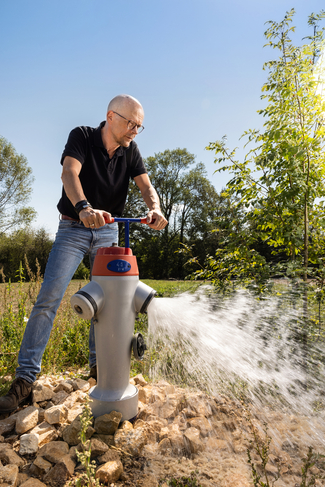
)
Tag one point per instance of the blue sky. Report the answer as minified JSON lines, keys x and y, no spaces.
{"x":195,"y":65}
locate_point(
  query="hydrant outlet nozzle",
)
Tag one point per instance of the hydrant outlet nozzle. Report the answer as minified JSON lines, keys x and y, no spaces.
{"x":88,"y":300}
{"x":143,"y":297}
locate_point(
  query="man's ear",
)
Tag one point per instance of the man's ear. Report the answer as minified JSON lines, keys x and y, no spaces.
{"x":109,"y":115}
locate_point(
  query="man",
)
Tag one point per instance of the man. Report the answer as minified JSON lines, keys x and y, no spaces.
{"x":97,"y":166}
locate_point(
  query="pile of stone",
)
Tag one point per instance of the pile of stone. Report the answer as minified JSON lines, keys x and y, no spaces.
{"x":176,"y":431}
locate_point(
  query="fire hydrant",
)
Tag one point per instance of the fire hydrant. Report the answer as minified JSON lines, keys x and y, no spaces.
{"x":112,"y":299}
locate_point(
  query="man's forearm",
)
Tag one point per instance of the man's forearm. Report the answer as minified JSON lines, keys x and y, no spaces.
{"x":151,"y":198}
{"x":73,"y":188}
{"x":70,"y":179}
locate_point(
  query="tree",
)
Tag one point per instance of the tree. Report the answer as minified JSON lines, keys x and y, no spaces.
{"x":15,"y":188}
{"x":280,"y":184}
{"x":187,"y":200}
{"x":35,"y":245}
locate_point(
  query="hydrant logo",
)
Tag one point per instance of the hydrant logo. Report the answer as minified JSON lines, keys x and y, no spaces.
{"x":119,"y":265}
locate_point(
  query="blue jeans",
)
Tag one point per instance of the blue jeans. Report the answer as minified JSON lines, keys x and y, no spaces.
{"x":72,"y":242}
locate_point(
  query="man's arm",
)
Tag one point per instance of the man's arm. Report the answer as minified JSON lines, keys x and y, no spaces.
{"x":151,"y":199}
{"x":90,"y":217}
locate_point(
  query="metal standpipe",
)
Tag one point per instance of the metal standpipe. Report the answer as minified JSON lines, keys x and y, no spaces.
{"x":112,"y":298}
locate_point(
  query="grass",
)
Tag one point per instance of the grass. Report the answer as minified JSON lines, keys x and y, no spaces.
{"x":67,"y":348}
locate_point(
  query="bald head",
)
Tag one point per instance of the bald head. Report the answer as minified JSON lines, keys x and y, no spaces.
{"x":121,"y":102}
{"x":123,"y":121}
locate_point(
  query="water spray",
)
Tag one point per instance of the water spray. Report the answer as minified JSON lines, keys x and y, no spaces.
{"x":112,"y":299}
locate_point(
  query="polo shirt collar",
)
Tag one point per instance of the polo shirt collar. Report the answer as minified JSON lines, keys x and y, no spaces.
{"x":99,"y":141}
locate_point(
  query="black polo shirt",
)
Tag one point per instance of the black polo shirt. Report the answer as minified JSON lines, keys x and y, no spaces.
{"x":104,"y":181}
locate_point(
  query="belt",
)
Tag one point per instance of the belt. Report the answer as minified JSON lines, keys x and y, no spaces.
{"x":66,"y":217}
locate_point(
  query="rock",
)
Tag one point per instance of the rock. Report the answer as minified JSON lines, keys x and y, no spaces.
{"x":46,"y":381}
{"x":43,"y":404}
{"x":176,"y":439}
{"x":181,"y":422}
{"x":107,"y":439}
{"x":97,"y":446}
{"x":56,"y":414}
{"x":152,"y":434}
{"x":166,"y":386}
{"x":28,"y":444}
{"x":42,"y":465}
{"x":157,"y":396}
{"x":41,"y":412}
{"x":64,"y":386}
{"x":192,"y":436}
{"x":33,"y":483}
{"x":74,"y":412}
{"x":131,"y":441}
{"x":60,"y":473}
{"x":126,"y":425}
{"x":26,"y":419}
{"x":59,"y":398}
{"x":71,"y":432}
{"x":203,"y":406}
{"x":157,"y":423}
{"x":80,"y":384}
{"x":22,"y":478}
{"x":9,"y":475}
{"x":72,"y":453}
{"x":69,"y":464}
{"x":5,"y":446}
{"x":54,"y":451}
{"x":49,"y":405}
{"x":110,"y":471}
{"x":202,"y":424}
{"x":189,"y":413}
{"x":41,"y":392}
{"x":157,"y":409}
{"x":46,"y":433}
{"x":2,"y":439}
{"x":139,"y":380}
{"x":163,"y":433}
{"x":74,"y":398}
{"x":165,"y":446}
{"x":143,"y":395}
{"x":8,"y":424}
{"x":12,"y":439}
{"x":109,"y":456}
{"x":140,"y":424}
{"x":107,"y":424}
{"x":9,"y":456}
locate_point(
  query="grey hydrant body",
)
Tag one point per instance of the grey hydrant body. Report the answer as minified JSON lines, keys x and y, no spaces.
{"x":112,"y":299}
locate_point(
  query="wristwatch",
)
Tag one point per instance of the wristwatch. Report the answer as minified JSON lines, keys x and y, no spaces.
{"x":81,"y":205}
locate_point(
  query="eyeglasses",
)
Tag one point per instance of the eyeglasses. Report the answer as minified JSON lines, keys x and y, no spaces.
{"x":131,"y":125}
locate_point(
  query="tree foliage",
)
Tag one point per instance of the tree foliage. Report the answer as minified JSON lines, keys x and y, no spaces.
{"x":35,"y":245}
{"x":187,"y":200}
{"x":280,"y":184}
{"x":15,"y":188}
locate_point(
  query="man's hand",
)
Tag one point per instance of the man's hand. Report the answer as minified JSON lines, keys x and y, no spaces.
{"x":94,"y":218}
{"x":158,"y":219}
